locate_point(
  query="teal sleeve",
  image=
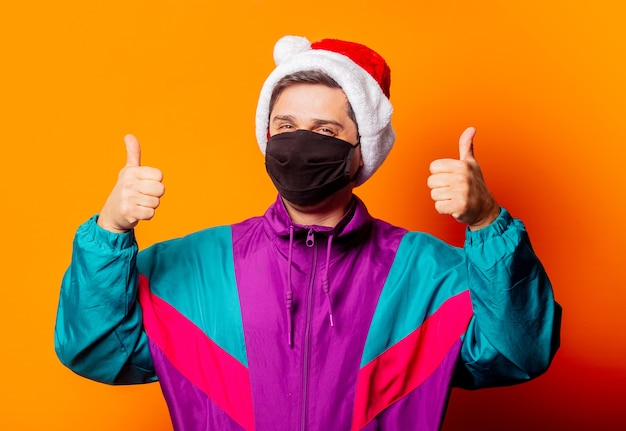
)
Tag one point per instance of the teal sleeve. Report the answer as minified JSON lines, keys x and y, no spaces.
{"x":515,"y":331}
{"x":99,"y":332}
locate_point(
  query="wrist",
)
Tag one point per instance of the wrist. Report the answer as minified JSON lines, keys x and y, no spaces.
{"x":105,"y":224}
{"x":485,"y":220}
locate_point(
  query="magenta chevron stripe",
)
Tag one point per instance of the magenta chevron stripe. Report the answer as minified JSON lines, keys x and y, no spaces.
{"x":220,"y":376}
{"x":410,"y":362}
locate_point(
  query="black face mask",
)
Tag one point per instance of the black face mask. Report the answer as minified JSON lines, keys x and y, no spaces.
{"x":307,"y":167}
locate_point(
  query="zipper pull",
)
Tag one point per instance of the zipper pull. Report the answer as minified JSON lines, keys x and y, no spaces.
{"x":310,"y":238}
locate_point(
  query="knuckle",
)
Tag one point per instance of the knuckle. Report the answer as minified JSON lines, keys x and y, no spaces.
{"x":125,"y":209}
{"x":127,"y":184}
{"x":149,"y":214}
{"x":462,"y":178}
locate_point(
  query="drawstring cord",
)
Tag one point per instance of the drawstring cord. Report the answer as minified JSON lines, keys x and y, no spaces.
{"x":326,"y":283}
{"x":289,"y":293}
{"x":289,"y":287}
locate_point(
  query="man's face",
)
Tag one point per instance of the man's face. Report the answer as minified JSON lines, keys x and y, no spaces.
{"x":319,"y":109}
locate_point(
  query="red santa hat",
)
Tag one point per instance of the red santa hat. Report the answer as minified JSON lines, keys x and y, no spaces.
{"x":362,"y":74}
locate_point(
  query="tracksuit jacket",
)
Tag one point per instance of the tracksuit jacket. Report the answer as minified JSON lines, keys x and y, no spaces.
{"x":269,"y":325}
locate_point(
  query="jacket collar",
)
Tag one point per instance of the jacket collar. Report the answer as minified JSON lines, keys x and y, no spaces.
{"x":353,"y":225}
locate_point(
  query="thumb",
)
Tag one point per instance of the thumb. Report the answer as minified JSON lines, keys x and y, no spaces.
{"x":466,"y":144}
{"x":133,"y":151}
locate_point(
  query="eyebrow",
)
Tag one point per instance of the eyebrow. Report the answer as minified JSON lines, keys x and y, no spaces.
{"x":316,"y":122}
{"x":283,"y":118}
{"x":320,"y":122}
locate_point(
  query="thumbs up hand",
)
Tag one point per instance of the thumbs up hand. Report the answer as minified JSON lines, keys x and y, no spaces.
{"x":136,"y":194}
{"x":458,"y":187}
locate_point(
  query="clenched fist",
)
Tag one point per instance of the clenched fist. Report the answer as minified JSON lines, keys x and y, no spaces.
{"x":136,"y":194}
{"x":458,"y":187}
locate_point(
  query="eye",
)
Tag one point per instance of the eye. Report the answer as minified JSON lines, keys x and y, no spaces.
{"x":286,"y":128}
{"x":326,"y":131}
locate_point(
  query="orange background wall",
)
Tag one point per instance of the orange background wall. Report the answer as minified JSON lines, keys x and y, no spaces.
{"x":543,"y":82}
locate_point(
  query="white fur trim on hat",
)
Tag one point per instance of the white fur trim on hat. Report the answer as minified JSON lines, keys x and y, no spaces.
{"x":371,"y":107}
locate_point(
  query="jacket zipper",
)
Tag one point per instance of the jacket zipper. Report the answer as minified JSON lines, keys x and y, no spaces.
{"x":310,"y":242}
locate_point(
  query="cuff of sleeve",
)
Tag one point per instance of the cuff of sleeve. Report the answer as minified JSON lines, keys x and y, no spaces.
{"x":92,"y":232}
{"x":496,"y":228}
{"x":496,"y":242}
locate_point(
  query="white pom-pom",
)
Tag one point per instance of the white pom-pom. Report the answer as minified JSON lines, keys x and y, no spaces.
{"x":288,"y":46}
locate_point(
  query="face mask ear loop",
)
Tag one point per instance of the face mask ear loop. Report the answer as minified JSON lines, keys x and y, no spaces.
{"x":354,"y":147}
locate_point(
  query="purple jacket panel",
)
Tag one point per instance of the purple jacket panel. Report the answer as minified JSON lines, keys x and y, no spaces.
{"x":190,"y":408}
{"x":311,"y":384}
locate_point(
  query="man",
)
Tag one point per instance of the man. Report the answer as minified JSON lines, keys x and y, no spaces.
{"x":315,"y":315}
